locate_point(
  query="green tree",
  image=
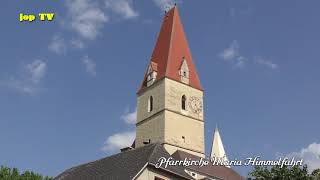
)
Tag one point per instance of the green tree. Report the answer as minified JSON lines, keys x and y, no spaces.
{"x":284,"y":173}
{"x":13,"y":174}
{"x":316,"y":174}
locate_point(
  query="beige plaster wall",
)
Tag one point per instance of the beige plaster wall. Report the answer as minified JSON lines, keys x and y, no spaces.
{"x":150,"y":174}
{"x":167,"y":123}
{"x":152,"y":128}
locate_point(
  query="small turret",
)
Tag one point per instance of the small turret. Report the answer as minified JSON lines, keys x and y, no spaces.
{"x":217,"y":150}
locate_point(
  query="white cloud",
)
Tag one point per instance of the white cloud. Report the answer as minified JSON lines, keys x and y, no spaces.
{"x":28,"y":80}
{"x":232,"y":55}
{"x":90,"y":65}
{"x":118,"y":141}
{"x":267,"y":63}
{"x":164,"y":4}
{"x":123,"y":139}
{"x":130,"y":117}
{"x":231,"y":52}
{"x":240,"y":62}
{"x":57,"y":45}
{"x":36,"y":70}
{"x":121,"y":7}
{"x":310,"y":156}
{"x":77,"y":43}
{"x":86,"y":17}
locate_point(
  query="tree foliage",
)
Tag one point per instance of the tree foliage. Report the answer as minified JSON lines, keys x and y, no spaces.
{"x":284,"y":173}
{"x":14,"y":174}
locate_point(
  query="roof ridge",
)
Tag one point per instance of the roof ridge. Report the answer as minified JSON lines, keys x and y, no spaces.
{"x":171,"y":37}
{"x":153,"y":151}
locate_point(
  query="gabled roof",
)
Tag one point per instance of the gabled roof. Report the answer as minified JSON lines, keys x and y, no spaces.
{"x":170,"y":50}
{"x":216,"y":171}
{"x":124,"y":165}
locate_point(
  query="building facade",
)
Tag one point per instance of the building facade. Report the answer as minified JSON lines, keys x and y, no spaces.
{"x":170,"y":119}
{"x":170,"y":99}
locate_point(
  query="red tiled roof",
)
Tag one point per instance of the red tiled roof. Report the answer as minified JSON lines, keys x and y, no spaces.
{"x":170,"y":50}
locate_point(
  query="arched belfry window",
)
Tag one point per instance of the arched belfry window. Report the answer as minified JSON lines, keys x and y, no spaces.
{"x":183,"y":102}
{"x":150,"y":104}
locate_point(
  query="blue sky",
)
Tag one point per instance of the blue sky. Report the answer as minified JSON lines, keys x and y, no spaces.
{"x":68,"y":93}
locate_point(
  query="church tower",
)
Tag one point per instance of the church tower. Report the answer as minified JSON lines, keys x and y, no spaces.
{"x":170,"y":99}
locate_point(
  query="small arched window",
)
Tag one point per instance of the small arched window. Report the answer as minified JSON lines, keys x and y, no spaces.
{"x":183,"y":102}
{"x":150,"y":104}
{"x":184,"y":73}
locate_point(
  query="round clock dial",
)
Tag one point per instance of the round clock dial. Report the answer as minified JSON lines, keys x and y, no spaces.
{"x":195,"y":104}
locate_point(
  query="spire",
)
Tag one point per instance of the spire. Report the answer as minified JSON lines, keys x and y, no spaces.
{"x":217,"y":150}
{"x":170,"y":50}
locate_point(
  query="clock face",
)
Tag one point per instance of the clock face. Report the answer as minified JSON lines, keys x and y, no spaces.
{"x":195,"y":104}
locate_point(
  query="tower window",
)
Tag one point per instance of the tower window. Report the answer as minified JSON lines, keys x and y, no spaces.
{"x":184,"y":74}
{"x":184,"y":71}
{"x":183,"y":102}
{"x":150,"y":104}
{"x":151,"y":73}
